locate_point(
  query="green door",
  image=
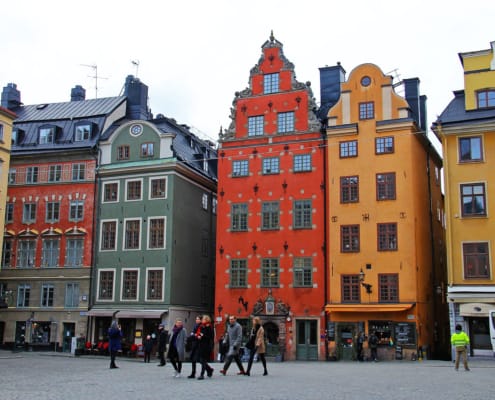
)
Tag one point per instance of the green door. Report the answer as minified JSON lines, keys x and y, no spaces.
{"x":307,"y":340}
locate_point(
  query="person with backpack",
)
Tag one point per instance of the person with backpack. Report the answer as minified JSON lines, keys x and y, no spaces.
{"x":373,"y":345}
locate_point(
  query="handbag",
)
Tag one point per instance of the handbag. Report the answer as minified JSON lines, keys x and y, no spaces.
{"x":250,"y":343}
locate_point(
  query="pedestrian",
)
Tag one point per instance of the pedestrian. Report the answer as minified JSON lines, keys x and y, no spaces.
{"x":147,"y":347}
{"x":192,"y":345}
{"x":205,"y":346}
{"x":115,"y":338}
{"x":162,"y":344}
{"x":177,"y":347}
{"x":223,"y":347}
{"x":359,"y":346}
{"x":373,"y":345}
{"x":234,"y":337}
{"x":460,"y":340}
{"x":257,"y":338}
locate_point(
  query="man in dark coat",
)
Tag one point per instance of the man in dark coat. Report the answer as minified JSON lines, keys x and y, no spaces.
{"x":162,"y":344}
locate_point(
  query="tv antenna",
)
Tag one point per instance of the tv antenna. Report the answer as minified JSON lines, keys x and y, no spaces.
{"x":136,"y":64}
{"x":95,"y":76}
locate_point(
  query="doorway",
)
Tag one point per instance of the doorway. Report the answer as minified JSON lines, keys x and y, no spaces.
{"x":69,"y":332}
{"x":307,"y":340}
{"x":479,"y":336}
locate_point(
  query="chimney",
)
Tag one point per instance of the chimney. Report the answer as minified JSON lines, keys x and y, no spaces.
{"x":137,"y":98}
{"x":330,"y":80}
{"x":77,"y":93}
{"x":416,"y":102}
{"x":11,"y":97}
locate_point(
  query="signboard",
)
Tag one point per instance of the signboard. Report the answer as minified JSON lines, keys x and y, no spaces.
{"x":405,"y":333}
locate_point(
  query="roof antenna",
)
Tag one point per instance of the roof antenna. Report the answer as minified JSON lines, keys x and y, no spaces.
{"x":136,"y":64}
{"x":95,"y":76}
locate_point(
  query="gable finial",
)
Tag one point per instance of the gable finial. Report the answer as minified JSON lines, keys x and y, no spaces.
{"x":272,"y":38}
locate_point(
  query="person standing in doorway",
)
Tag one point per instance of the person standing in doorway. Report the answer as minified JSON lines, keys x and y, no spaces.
{"x":177,"y":347}
{"x":460,"y":340}
{"x":234,"y":336}
{"x":205,"y":346}
{"x":114,"y":342}
{"x":162,"y":344}
{"x":258,"y":339}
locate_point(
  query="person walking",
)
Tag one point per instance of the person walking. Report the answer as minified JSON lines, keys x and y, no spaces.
{"x":460,"y":340}
{"x":177,"y":347}
{"x":162,"y":344}
{"x":234,"y":337}
{"x":193,"y":342}
{"x":257,"y":338}
{"x":114,"y":341}
{"x":373,"y":345}
{"x":205,"y":346}
{"x":147,"y":347}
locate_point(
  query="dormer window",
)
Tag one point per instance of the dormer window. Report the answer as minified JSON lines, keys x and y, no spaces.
{"x":271,"y":83}
{"x":486,"y":98}
{"x":83,"y":132}
{"x":17,"y":136}
{"x":47,"y":135}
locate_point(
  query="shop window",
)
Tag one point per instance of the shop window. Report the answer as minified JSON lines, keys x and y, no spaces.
{"x":382,"y":329}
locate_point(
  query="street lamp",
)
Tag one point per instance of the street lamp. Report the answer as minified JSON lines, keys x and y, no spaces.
{"x":367,"y":286}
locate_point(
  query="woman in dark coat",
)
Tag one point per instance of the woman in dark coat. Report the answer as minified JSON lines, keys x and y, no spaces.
{"x":147,"y":347}
{"x":194,"y":343}
{"x":206,"y":341}
{"x":114,"y":345}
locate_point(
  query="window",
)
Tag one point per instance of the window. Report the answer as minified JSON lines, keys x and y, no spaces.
{"x":238,"y":273}
{"x":387,"y":237}
{"x":270,"y":83}
{"x":349,"y":238}
{"x":486,"y":98}
{"x":470,"y":149}
{"x":72,"y":295}
{"x":133,"y":190}
{"x":156,"y":233}
{"x":349,"y":189}
{"x":47,"y":290}
{"x":147,"y":150}
{"x":129,"y":284}
{"x":155,"y":284}
{"x":74,"y":252}
{"x":54,"y":173}
{"x":303,"y":272}
{"x":110,"y":192}
{"x":388,"y":288}
{"x":26,"y":251}
{"x":270,"y":272}
{"x":1,"y":132}
{"x":351,"y":289}
{"x":204,"y":201}
{"x":78,"y":172}
{"x":473,"y":198}
{"x":158,"y":188}
{"x":108,"y":235}
{"x":348,"y":149}
{"x":132,"y":234}
{"x":83,"y":132}
{"x":76,"y":212}
{"x":50,"y":253}
{"x":476,"y":260}
{"x":270,"y":215}
{"x":12,"y":175}
{"x":123,"y":152}
{"x":9,"y":212}
{"x":105,"y":286}
{"x":29,"y":213}
{"x":7,"y":252}
{"x":240,"y":168}
{"x":255,"y":125}
{"x":302,"y":214}
{"x":385,"y":186}
{"x":52,"y":211}
{"x":214,"y":204}
{"x":239,"y":217}
{"x":285,"y":122}
{"x":47,"y":135}
{"x":302,"y":163}
{"x":384,"y":145}
{"x":23,"y":294}
{"x":271,"y":165}
{"x":367,"y":110}
{"x":32,"y":174}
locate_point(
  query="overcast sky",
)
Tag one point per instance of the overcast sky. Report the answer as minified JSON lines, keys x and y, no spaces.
{"x":194,"y":55}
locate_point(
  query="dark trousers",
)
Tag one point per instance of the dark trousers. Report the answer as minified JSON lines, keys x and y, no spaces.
{"x":161,"y":355}
{"x":147,"y":356}
{"x":237,"y":360}
{"x":113,"y":354}
{"x":205,"y":366}
{"x":251,"y":358}
{"x":374,"y":355}
{"x":174,"y":359}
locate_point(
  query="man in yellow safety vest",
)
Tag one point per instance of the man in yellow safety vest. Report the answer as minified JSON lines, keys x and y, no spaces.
{"x":460,"y":341}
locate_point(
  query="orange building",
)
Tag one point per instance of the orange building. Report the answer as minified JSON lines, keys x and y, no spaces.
{"x":386,"y":239}
{"x":270,"y":232}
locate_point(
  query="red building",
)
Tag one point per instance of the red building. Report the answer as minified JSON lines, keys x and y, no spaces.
{"x":271,"y":206}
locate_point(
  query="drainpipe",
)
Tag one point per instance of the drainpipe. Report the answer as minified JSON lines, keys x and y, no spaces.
{"x":325,"y":257}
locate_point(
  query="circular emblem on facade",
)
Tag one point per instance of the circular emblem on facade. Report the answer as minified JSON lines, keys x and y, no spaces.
{"x":365,"y":81}
{"x":136,"y":129}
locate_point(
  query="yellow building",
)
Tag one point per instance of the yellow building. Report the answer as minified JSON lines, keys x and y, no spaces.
{"x":385,"y":232}
{"x":467,"y":131}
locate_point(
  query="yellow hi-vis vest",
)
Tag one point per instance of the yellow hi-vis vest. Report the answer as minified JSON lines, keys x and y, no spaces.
{"x":459,"y":339}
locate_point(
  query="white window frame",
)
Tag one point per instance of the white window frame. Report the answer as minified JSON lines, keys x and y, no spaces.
{"x":122,"y":285}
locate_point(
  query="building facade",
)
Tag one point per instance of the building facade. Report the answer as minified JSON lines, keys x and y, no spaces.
{"x":271,"y":237}
{"x":384,"y":224}
{"x":467,"y":130}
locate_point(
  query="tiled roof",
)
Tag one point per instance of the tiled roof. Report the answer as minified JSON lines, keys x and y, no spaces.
{"x":456,"y":112}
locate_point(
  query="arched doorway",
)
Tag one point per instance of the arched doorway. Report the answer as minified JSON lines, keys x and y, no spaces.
{"x":272,"y":339}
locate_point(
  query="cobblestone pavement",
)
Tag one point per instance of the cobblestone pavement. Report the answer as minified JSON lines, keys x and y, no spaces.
{"x":40,"y":376}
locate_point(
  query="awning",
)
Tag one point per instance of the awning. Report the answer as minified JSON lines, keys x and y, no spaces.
{"x":475,"y":309}
{"x":141,"y":313}
{"x":101,"y":313}
{"x":368,"y":307}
